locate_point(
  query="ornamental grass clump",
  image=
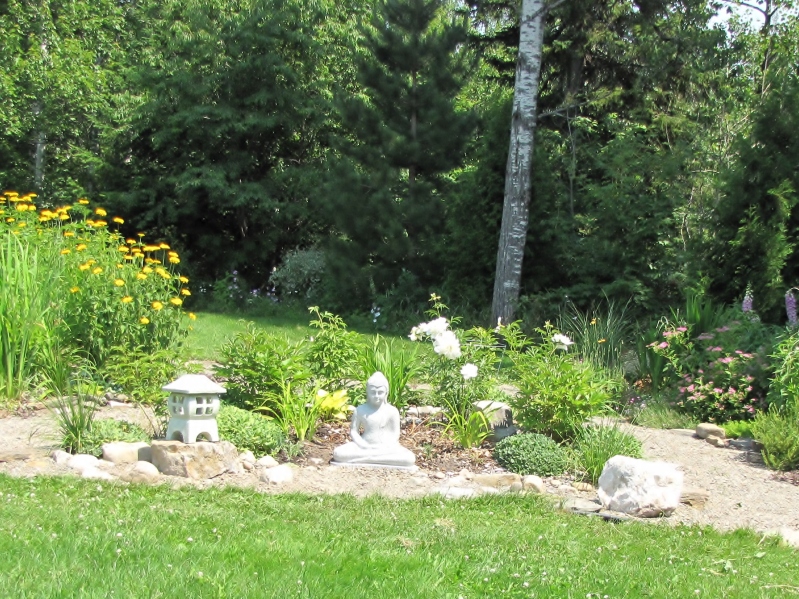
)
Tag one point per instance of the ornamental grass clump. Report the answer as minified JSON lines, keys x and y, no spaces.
{"x":595,"y":445}
{"x":531,"y":453}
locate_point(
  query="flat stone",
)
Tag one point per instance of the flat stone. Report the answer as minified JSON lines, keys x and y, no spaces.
{"x":39,"y":464}
{"x":81,"y":461}
{"x":439,"y":475}
{"x":456,"y":492}
{"x":197,"y":461}
{"x":708,"y":429}
{"x":266,"y":461}
{"x":583,"y":486}
{"x":466,"y":473}
{"x":94,"y":473}
{"x":640,"y":488}
{"x":60,"y":457}
{"x":142,"y":473}
{"x":13,"y":456}
{"x":694,"y":496}
{"x":716,"y":441}
{"x":579,"y":505}
{"x":106,"y":465}
{"x":278,"y":474}
{"x":247,"y":457}
{"x":122,"y":452}
{"x":790,"y":536}
{"x":501,"y":480}
{"x":534,"y":483}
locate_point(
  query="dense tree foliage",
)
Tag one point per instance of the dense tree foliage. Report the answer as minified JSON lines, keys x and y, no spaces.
{"x":376,"y":132}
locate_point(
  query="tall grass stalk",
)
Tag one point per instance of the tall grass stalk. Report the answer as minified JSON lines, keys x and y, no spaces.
{"x":74,"y":412}
{"x":27,"y":292}
{"x":397,"y":363}
{"x":595,"y":445}
{"x":599,"y":335}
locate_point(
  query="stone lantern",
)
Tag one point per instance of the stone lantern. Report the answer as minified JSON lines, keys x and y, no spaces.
{"x":193,"y":404}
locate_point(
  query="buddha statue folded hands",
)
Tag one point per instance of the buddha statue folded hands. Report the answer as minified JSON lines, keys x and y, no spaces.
{"x":375,"y":432}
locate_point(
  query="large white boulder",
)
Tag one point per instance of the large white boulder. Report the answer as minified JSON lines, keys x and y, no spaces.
{"x":122,"y":452}
{"x":640,"y":488}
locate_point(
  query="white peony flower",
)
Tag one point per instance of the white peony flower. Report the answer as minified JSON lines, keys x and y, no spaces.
{"x":415,"y":332}
{"x":561,"y":341}
{"x":447,"y":345}
{"x":436,"y":327}
{"x":469,"y":371}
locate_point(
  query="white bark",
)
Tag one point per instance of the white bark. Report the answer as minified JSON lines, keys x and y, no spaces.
{"x":513,"y":233}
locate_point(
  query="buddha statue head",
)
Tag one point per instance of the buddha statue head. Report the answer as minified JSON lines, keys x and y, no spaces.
{"x":377,"y":389}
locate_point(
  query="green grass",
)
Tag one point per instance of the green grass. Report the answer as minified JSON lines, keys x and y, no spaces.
{"x":658,"y":415}
{"x":64,"y":537}
{"x":211,"y":330}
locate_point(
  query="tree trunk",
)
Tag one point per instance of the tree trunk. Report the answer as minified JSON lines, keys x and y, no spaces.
{"x":513,"y":233}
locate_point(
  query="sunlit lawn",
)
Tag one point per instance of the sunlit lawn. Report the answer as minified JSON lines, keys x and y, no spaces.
{"x":73,"y":538}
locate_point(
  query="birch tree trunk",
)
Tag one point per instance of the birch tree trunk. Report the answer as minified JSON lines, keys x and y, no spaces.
{"x":513,"y":233}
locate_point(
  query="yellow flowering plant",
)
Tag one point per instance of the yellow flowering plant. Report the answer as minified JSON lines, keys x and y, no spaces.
{"x":114,"y":292}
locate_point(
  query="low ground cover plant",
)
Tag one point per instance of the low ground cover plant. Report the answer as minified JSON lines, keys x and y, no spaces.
{"x":249,"y":431}
{"x":108,"y":430}
{"x":531,"y":453}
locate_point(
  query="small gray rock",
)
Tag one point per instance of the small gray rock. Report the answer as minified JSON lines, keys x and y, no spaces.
{"x":82,"y":461}
{"x":708,"y":429}
{"x":533,"y":483}
{"x":142,"y":472}
{"x":93,"y":472}
{"x":61,"y":458}
{"x":247,"y":457}
{"x":121,"y":452}
{"x":579,"y":505}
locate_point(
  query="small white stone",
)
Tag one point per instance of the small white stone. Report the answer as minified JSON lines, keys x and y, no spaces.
{"x":278,"y":475}
{"x":640,"y":488}
{"x":95,"y":473}
{"x":534,"y":483}
{"x":81,"y":461}
{"x":247,"y":457}
{"x":60,"y":457}
{"x":266,"y":462}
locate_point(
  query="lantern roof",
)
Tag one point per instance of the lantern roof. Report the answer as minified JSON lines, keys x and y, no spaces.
{"x":194,"y":384}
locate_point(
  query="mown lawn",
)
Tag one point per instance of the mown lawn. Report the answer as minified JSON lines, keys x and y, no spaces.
{"x":73,"y":538}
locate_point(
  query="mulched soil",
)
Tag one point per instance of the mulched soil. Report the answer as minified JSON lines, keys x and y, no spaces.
{"x":788,"y":477}
{"x":433,"y":449}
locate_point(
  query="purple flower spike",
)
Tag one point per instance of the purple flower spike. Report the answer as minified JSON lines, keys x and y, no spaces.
{"x":790,"y":308}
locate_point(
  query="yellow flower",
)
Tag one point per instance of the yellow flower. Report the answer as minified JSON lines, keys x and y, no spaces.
{"x":192,"y":316}
{"x":10,"y":219}
{"x":174,"y":260}
{"x":123,"y":248}
{"x":74,"y":289}
{"x":163,"y":246}
{"x":130,"y":241}
{"x":144,"y":320}
{"x":65,"y":251}
{"x":119,"y":282}
{"x":129,"y":257}
{"x":80,"y":247}
{"x":83,"y":201}
{"x":69,"y":233}
{"x":97,"y":270}
{"x":593,"y":321}
{"x":90,"y":222}
{"x":176,"y":301}
{"x":84,"y":266}
{"x":127,"y":299}
{"x":157,"y":305}
{"x":100,"y":223}
{"x":602,"y":341}
{"x":63,"y":216}
{"x":140,"y":234}
{"x":185,"y":292}
{"x":148,"y":260}
{"x":183,"y":279}
{"x":141,"y":276}
{"x":120,"y":265}
{"x":100,"y":212}
{"x":22,"y":225}
{"x":165,"y":275}
{"x":154,"y":261}
{"x":119,"y":221}
{"x":147,"y":270}
{"x":172,"y":254}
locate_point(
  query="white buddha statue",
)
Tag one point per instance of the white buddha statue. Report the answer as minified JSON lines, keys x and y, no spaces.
{"x":375,"y":432}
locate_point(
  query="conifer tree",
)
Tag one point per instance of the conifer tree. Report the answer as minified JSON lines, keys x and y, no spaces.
{"x":405,"y":134}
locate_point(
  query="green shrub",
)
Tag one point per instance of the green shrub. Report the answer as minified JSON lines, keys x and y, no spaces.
{"x":255,"y":362}
{"x":558,"y":391}
{"x":595,"y":445}
{"x":108,"y":430}
{"x":784,"y":390}
{"x":140,"y":373}
{"x":249,"y":431}
{"x":778,"y":432}
{"x":736,"y":429}
{"x":531,"y":453}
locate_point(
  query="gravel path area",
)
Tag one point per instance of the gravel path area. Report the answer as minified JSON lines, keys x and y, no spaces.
{"x":743,"y":493}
